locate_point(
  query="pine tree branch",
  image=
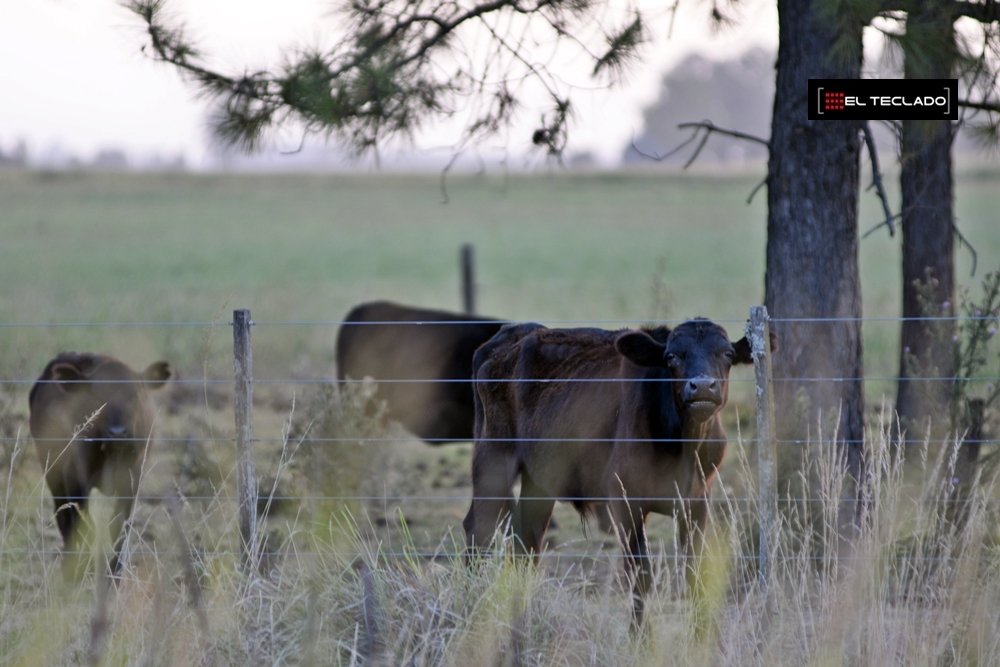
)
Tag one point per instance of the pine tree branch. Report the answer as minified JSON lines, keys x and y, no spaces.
{"x":981,"y":106}
{"x":380,"y":79}
{"x":984,"y":12}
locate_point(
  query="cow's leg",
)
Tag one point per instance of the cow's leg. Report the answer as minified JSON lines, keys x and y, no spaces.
{"x":70,"y":501}
{"x":493,"y":477}
{"x":692,"y":519}
{"x":494,"y":464}
{"x":118,"y":529}
{"x":121,"y":480}
{"x":531,"y":516}
{"x":69,"y":498}
{"x":630,"y":525}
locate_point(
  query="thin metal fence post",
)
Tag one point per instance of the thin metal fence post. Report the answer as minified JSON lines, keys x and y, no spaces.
{"x":246,"y":475}
{"x":759,"y":335}
{"x":468,"y":263}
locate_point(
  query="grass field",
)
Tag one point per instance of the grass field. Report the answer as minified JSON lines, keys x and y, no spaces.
{"x":110,"y":248}
{"x":351,"y":578}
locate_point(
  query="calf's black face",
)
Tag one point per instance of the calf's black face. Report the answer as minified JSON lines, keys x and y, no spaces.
{"x":696,"y":359}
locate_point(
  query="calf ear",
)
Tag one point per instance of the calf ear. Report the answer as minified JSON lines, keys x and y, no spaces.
{"x":744,"y":353}
{"x":156,"y":375}
{"x":640,"y":348}
{"x":67,"y":377}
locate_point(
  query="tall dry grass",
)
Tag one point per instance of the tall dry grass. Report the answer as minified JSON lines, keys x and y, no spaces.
{"x":920,"y":584}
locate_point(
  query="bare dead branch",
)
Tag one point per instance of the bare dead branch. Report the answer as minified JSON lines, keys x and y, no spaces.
{"x":711,"y":127}
{"x":757,"y":188}
{"x":884,"y":223}
{"x":298,"y":149}
{"x":699,"y":147}
{"x":702,"y":131}
{"x":706,"y":128}
{"x":661,"y":158}
{"x":877,"y":179}
{"x":968,"y":246}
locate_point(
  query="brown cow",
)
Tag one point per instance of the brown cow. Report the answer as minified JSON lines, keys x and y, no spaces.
{"x":429,"y":352}
{"x":589,"y":416}
{"x":91,"y":420}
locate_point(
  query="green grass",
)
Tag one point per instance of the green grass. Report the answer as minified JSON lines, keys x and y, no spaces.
{"x":114,"y":248}
{"x":91,"y":247}
{"x":184,"y":247}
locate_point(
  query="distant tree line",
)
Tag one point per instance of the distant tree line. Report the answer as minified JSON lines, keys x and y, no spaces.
{"x":19,"y":156}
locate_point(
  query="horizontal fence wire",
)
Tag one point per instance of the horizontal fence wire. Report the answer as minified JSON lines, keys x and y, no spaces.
{"x":552,"y":553}
{"x":115,"y":325}
{"x":329,"y":380}
{"x":442,"y":441}
{"x":321,"y":380}
{"x":739,"y":501}
{"x":265,"y":497}
{"x":476,"y":322}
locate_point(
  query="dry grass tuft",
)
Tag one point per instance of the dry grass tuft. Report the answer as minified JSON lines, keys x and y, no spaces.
{"x":919,"y":586}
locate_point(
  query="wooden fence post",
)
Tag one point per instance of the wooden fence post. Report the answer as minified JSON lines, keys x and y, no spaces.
{"x":468,"y":264}
{"x":759,"y":334}
{"x":246,"y":475}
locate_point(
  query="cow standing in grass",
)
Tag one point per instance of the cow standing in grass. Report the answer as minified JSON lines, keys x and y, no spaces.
{"x":91,"y":420}
{"x":428,"y":352}
{"x":589,"y":416}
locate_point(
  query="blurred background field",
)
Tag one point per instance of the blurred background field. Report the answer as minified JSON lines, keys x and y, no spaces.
{"x":615,"y":249}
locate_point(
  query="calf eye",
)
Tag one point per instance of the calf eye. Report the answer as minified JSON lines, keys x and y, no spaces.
{"x":671,"y":358}
{"x":730,"y":355}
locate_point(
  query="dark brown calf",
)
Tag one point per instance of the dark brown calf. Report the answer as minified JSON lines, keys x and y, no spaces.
{"x":627,"y":418}
{"x":381,"y":340}
{"x":91,"y":420}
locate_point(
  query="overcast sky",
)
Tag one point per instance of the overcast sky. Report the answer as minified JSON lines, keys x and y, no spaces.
{"x":73,"y":74}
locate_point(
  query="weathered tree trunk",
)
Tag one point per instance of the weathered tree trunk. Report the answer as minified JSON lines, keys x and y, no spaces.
{"x":812,"y":242}
{"x":926,"y":183}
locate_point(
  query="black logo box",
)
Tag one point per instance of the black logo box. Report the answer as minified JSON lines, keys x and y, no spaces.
{"x":883,"y":99}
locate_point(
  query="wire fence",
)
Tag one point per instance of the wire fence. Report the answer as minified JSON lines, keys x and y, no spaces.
{"x":249,"y":486}
{"x":338,"y":323}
